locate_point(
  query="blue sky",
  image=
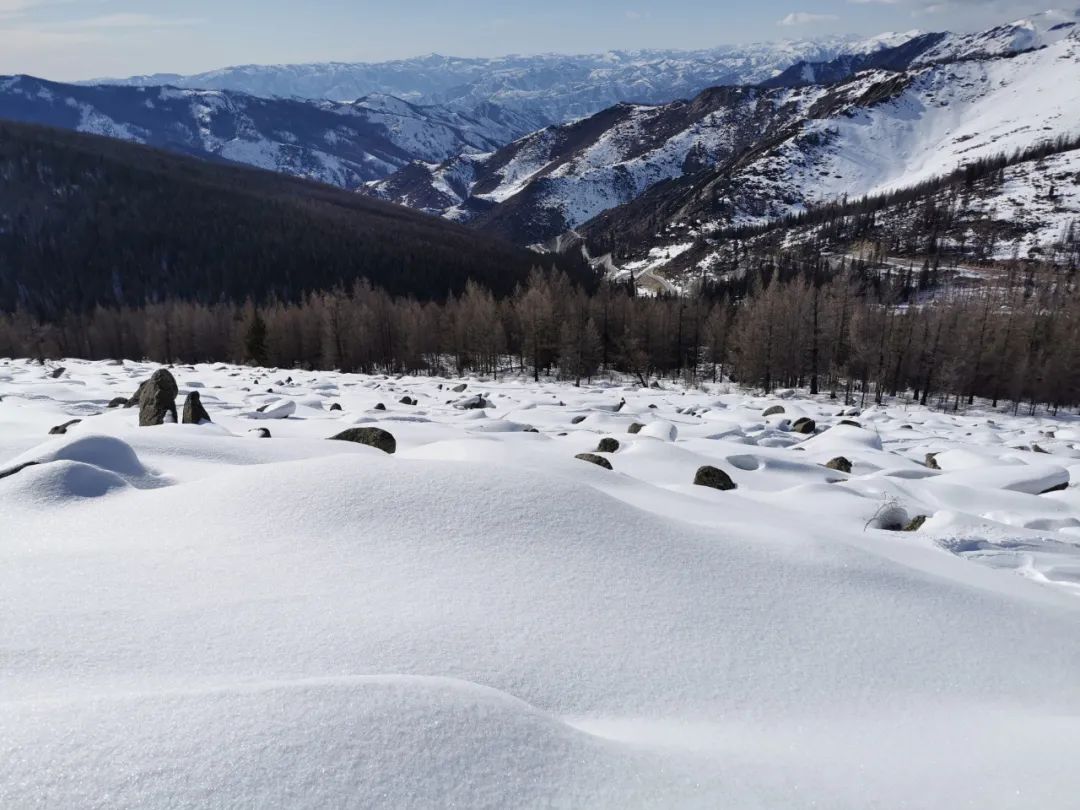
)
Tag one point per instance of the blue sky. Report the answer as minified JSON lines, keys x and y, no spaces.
{"x":73,"y":39}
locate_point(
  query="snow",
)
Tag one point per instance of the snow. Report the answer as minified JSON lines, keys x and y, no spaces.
{"x":193,"y":616}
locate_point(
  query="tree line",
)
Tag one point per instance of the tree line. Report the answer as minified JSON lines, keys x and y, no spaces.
{"x":837,"y":329}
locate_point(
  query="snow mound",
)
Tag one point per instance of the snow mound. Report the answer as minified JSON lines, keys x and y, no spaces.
{"x":308,"y":744}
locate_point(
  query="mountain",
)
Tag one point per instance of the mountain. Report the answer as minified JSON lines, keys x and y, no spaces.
{"x":740,"y":155}
{"x":548,"y":88}
{"x":87,"y":220}
{"x":345,"y":144}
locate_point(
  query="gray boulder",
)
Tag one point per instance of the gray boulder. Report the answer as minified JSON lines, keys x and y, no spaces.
{"x":635,"y":428}
{"x":773,"y":411}
{"x":56,"y":373}
{"x":840,"y":464}
{"x":194,"y":412}
{"x":118,"y":402}
{"x":261,"y":433}
{"x":457,"y":389}
{"x":608,"y":445}
{"x":335,"y":407}
{"x":592,"y":458}
{"x":60,"y":430}
{"x":371,"y":436}
{"x":849,"y":423}
{"x":577,"y":420}
{"x":715,"y":478}
{"x":157,"y":399}
{"x":931,"y":461}
{"x":805,"y":425}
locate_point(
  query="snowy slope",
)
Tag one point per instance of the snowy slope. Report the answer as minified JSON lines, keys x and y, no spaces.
{"x":547,"y":88}
{"x":194,"y":616}
{"x":337,"y":143}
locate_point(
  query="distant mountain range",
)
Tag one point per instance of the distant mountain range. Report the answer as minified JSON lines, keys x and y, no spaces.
{"x":740,"y":155}
{"x":343,"y":144}
{"x":546,"y":89}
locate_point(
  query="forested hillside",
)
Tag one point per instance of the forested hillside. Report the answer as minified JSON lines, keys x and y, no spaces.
{"x":85,"y":220}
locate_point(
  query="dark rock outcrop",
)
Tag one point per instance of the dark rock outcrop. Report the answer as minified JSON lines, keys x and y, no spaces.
{"x":774,"y":410}
{"x":608,"y":445}
{"x":840,"y":464}
{"x":194,"y":412}
{"x":714,"y":478}
{"x":592,"y":458}
{"x":335,"y":407}
{"x":805,"y":425}
{"x":118,"y":402}
{"x":371,"y":436}
{"x":157,"y":399}
{"x":635,"y":428}
{"x":60,"y":430}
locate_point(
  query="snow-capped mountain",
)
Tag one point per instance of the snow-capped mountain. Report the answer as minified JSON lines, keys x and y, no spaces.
{"x":742,"y":155}
{"x":344,"y":144}
{"x":549,"y":88}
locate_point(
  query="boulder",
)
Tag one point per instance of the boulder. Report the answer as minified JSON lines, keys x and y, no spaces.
{"x":278,"y":409}
{"x":371,"y":436}
{"x":194,"y":412}
{"x":118,"y":402}
{"x":931,"y":461}
{"x":60,"y":430}
{"x":58,"y":372}
{"x":335,"y":407}
{"x":840,"y":464}
{"x":577,"y":420}
{"x":773,"y":411}
{"x":472,"y":403}
{"x":380,"y":407}
{"x":157,"y":399}
{"x":1036,"y":449}
{"x":715,"y":478}
{"x":261,"y":433}
{"x":457,"y":389}
{"x":592,"y":458}
{"x":849,"y":423}
{"x":18,"y":468}
{"x":407,"y":401}
{"x":805,"y":425}
{"x":635,"y":428}
{"x":608,"y":445}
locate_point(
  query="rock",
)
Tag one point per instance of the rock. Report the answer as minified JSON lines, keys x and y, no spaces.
{"x":774,"y":410}
{"x":194,"y":412}
{"x":1036,"y":449}
{"x":380,"y":407}
{"x":278,"y":409}
{"x":715,"y":478}
{"x":407,"y":401}
{"x":472,"y":403}
{"x":56,"y":373}
{"x":118,"y":402}
{"x":261,"y":433}
{"x":849,"y":423}
{"x":371,"y":436}
{"x":457,"y":389}
{"x":608,"y":445}
{"x":599,"y":461}
{"x":157,"y":400}
{"x":804,"y":425}
{"x":60,"y":430}
{"x":931,"y":461}
{"x":915,"y":523}
{"x":1057,"y":488}
{"x":335,"y":407}
{"x":840,"y":464}
{"x":635,"y":428}
{"x":906,"y":427}
{"x":17,"y":469}
{"x":133,"y":400}
{"x":530,"y":430}
{"x":653,"y":406}
{"x":577,"y":420}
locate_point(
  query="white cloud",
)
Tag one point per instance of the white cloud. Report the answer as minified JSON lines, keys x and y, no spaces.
{"x":806,"y":18}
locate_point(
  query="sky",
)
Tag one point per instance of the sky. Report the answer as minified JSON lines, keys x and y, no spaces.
{"x":81,"y":39}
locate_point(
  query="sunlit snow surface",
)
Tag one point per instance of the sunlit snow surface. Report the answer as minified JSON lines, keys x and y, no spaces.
{"x":194,"y":617}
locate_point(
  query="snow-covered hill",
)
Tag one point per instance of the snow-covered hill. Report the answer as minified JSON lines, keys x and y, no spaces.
{"x":191,"y":616}
{"x":740,"y":155}
{"x":344,"y":144}
{"x":548,"y":88}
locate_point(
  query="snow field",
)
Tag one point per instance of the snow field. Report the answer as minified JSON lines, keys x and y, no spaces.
{"x":193,"y":616}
